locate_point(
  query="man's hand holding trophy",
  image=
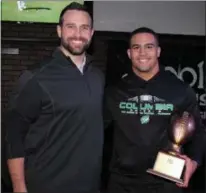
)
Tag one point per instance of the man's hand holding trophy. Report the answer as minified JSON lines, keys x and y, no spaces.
{"x":173,"y":165}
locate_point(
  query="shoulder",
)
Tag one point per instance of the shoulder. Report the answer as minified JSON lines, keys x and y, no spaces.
{"x":28,"y":78}
{"x":174,"y":82}
{"x":179,"y":88}
{"x":25,"y":83}
{"x":171,"y":77}
{"x":26,"y":88}
{"x":41,"y":66}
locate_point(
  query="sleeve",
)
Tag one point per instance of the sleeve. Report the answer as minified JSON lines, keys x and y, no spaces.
{"x":24,"y":108}
{"x":195,"y":148}
{"x":107,"y":114}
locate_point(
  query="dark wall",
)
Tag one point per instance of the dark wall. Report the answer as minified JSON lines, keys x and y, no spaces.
{"x":34,"y":41}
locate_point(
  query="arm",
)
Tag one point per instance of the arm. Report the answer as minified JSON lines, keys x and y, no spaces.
{"x":23,"y":110}
{"x":107,"y":115}
{"x":16,"y":169}
{"x":195,"y":148}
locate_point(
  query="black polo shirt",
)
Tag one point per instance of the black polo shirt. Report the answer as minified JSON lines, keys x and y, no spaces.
{"x":55,"y":123}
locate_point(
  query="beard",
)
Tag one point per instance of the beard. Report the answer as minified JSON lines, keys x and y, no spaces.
{"x":143,"y":68}
{"x":76,"y":50}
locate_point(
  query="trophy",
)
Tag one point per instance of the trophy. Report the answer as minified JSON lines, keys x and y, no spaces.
{"x":170,"y":165}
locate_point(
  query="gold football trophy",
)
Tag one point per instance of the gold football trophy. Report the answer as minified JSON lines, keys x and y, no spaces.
{"x":170,"y":165}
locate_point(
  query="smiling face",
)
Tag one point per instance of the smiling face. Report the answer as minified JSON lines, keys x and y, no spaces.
{"x":144,"y":53}
{"x":75,"y":32}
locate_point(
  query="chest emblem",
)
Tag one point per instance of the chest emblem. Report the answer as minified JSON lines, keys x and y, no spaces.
{"x":145,"y":119}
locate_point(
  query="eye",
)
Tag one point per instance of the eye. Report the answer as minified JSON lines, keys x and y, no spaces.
{"x":85,"y":27}
{"x":135,"y":47}
{"x":150,"y":46}
{"x":70,"y":26}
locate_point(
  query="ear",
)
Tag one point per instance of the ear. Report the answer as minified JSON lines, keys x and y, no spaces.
{"x":92,"y":32}
{"x":128,"y":53}
{"x":158,"y":51}
{"x":59,"y":31}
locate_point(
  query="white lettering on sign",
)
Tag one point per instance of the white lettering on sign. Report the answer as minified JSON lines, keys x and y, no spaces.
{"x":198,"y":79}
{"x":21,"y":5}
{"x":195,"y":75}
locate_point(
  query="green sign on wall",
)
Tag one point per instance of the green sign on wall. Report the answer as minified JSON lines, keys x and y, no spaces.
{"x":33,"y":11}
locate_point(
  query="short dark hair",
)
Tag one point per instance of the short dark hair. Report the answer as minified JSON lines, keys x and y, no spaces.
{"x":74,"y":6}
{"x":144,"y":30}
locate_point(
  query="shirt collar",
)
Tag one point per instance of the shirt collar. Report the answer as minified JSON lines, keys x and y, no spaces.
{"x":81,"y":66}
{"x":67,"y":61}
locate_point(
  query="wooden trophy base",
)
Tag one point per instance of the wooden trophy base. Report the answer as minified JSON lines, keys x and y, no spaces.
{"x":151,"y":171}
{"x":168,"y":166}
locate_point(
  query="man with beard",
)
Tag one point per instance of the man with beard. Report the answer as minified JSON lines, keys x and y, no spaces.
{"x":141,"y":105}
{"x":54,"y":128}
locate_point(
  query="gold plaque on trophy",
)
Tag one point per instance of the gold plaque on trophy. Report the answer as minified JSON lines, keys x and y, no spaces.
{"x":170,"y":165}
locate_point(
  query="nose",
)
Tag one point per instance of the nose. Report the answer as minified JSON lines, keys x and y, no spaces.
{"x":77,"y":33}
{"x":142,"y":50}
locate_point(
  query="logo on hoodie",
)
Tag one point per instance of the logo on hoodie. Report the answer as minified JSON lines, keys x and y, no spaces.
{"x":146,"y":106}
{"x":145,"y":119}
